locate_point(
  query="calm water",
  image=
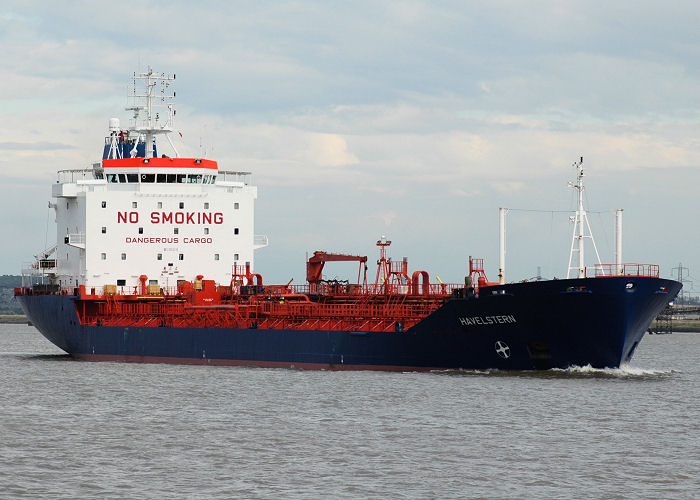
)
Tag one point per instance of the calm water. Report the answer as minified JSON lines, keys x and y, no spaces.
{"x":72,"y":429}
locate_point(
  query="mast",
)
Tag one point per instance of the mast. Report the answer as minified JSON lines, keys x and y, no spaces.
{"x":502,"y":244}
{"x":618,"y":242}
{"x":580,"y":226}
{"x":151,"y":91}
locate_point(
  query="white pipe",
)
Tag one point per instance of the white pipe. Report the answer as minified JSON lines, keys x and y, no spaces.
{"x":618,"y":241}
{"x":502,"y":245}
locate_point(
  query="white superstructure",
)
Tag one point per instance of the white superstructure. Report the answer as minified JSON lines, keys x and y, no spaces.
{"x":165,"y":218}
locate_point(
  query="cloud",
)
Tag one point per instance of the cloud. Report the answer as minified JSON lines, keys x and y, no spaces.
{"x":329,"y":150}
{"x":34,"y":146}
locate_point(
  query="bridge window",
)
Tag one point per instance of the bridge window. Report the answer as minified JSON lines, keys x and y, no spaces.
{"x":122,"y":178}
{"x":161,"y":178}
{"x":112,"y":178}
{"x":121,"y":282}
{"x":132,"y":177}
{"x":148,"y":178}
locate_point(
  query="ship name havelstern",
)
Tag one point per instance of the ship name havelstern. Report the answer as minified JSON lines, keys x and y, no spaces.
{"x":503,"y":319}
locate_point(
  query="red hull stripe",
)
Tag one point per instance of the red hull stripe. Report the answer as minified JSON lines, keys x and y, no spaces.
{"x":160,"y":163}
{"x":245,"y":362}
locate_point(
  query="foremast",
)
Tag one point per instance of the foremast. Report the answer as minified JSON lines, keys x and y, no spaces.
{"x":580,"y":226}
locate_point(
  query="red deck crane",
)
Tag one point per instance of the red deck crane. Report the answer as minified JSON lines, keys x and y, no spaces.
{"x":314,"y":266}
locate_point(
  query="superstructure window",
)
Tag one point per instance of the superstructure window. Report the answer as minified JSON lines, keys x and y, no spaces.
{"x":140,"y":230}
{"x":104,"y":230}
{"x":123,"y":256}
{"x":206,"y":206}
{"x":235,"y":256}
{"x":121,"y":282}
{"x":159,"y":256}
{"x":134,"y":204}
{"x":176,"y":230}
{"x":216,"y":256}
{"x":104,"y":204}
{"x":181,"y":256}
{"x":235,"y":206}
{"x":235,"y":230}
{"x":182,"y":204}
{"x":160,"y":204}
{"x":206,"y":230}
{"x":103,"y":256}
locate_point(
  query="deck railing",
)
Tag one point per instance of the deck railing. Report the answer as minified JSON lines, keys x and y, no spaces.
{"x":606,"y":270}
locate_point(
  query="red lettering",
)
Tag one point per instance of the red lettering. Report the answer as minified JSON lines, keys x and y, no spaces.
{"x":121,"y":217}
{"x":218,"y":218}
{"x":190,"y":217}
{"x":206,"y":218}
{"x":179,"y":217}
{"x":154,"y":218}
{"x":167,"y":217}
{"x":133,"y":217}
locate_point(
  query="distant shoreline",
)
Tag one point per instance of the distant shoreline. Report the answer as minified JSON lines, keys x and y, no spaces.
{"x":16,"y":319}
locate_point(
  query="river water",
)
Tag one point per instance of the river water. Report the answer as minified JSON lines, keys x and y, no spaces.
{"x":74,"y":429}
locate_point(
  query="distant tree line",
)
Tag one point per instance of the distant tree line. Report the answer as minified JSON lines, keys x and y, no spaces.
{"x":8,"y":303}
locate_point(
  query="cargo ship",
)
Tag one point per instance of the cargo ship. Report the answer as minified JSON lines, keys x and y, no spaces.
{"x":154,"y":262}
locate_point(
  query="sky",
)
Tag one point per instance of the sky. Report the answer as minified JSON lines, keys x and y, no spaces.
{"x":415,"y":120}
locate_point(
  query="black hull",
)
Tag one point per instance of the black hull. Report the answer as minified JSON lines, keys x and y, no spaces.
{"x":522,"y":326}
